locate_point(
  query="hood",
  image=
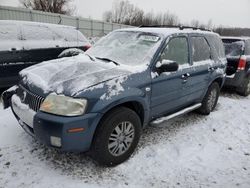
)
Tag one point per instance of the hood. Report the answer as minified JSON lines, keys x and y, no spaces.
{"x":69,"y":75}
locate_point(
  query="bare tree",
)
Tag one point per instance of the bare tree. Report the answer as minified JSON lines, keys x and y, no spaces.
{"x":54,"y":6}
{"x":124,"y":12}
{"x":232,"y":31}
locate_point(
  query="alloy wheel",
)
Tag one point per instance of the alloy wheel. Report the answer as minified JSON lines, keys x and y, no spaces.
{"x":121,"y":138}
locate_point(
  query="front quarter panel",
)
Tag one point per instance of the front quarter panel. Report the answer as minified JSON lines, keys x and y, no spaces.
{"x":131,"y":88}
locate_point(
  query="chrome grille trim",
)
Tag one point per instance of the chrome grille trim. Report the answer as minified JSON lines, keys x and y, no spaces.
{"x":32,"y":100}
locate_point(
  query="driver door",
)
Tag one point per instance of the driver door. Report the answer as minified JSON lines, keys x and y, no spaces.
{"x":168,"y":88}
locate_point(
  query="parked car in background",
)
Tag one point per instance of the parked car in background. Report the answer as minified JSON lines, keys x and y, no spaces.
{"x":23,"y":44}
{"x":100,"y":101}
{"x":238,"y":67}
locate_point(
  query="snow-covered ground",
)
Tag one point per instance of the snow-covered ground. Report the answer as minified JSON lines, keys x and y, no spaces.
{"x":189,"y":151}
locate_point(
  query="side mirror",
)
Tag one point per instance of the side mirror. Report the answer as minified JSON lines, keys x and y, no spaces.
{"x":167,"y":66}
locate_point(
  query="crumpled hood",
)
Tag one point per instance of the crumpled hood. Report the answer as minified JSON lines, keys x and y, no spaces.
{"x":69,"y":75}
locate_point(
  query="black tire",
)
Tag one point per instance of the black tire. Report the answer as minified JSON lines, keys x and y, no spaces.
{"x":208,"y":105}
{"x":244,"y":90}
{"x":100,"y":151}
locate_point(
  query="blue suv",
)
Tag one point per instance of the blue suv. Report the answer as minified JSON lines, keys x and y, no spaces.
{"x":100,"y":101}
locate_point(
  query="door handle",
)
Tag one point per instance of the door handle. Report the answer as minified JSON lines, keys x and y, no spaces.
{"x":211,"y":69}
{"x":185,"y":76}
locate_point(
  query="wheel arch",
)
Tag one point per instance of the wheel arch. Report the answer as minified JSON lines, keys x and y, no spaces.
{"x":138,"y":106}
{"x":219,"y":80}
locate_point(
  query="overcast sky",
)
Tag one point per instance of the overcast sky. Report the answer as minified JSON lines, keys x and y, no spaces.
{"x":222,"y":12}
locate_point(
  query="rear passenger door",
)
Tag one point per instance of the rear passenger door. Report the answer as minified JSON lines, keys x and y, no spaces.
{"x":202,"y":66}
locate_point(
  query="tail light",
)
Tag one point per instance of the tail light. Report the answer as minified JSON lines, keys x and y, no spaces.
{"x":86,"y":47}
{"x":242,"y":63}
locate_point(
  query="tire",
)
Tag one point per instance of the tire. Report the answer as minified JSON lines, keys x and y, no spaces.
{"x":210,"y":100}
{"x":245,"y":89}
{"x":105,"y":148}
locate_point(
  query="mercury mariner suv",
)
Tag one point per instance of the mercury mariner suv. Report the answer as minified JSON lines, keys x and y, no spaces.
{"x":100,"y":101}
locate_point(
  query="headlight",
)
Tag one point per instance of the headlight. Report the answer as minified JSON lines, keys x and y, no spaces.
{"x":64,"y":106}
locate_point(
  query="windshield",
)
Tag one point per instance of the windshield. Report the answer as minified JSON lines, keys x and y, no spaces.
{"x":234,"y":48}
{"x":126,"y":47}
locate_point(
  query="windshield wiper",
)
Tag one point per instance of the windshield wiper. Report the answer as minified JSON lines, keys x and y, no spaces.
{"x":107,"y":59}
{"x":90,"y":57}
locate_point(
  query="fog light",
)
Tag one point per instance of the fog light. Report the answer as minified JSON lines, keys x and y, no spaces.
{"x":56,"y":141}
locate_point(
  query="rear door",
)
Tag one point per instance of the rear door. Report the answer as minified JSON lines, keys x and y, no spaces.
{"x":168,"y":89}
{"x":202,"y":66}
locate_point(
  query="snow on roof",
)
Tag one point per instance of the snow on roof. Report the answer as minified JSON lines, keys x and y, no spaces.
{"x":17,"y":22}
{"x":236,"y":38}
{"x":167,"y":31}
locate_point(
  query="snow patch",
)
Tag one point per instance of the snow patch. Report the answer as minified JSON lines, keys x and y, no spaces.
{"x":188,"y":151}
{"x":50,"y":75}
{"x":114,"y":88}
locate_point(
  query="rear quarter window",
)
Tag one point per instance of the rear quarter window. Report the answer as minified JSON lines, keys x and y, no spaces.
{"x":247,"y":47}
{"x":70,"y":34}
{"x":217,"y":46}
{"x":200,"y":49}
{"x":9,"y":32}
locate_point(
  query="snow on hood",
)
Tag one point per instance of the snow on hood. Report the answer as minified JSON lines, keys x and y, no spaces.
{"x":70,"y":75}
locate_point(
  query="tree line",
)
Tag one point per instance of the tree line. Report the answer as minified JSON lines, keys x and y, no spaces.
{"x":124,"y":12}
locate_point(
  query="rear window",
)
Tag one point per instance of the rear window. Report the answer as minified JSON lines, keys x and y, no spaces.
{"x":9,"y":32}
{"x":234,"y":47}
{"x":70,"y":34}
{"x":200,"y":48}
{"x":37,"y":32}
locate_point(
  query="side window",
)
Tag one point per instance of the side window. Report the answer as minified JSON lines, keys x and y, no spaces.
{"x":200,"y":48}
{"x":176,"y":50}
{"x":33,"y":32}
{"x":9,"y":32}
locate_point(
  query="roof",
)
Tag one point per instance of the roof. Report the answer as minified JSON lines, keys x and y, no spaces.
{"x":167,"y":31}
{"x":235,"y":38}
{"x":17,"y":22}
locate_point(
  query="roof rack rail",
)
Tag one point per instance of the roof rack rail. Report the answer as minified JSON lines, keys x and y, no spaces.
{"x":181,"y":27}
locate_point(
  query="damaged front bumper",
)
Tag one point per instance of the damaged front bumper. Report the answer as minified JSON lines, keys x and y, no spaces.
{"x":53,"y":130}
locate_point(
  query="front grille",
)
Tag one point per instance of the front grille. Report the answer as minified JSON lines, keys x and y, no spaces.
{"x":32,"y":100}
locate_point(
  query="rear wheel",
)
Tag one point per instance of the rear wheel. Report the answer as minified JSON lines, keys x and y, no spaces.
{"x":116,"y":137}
{"x":245,"y":89}
{"x":210,"y":100}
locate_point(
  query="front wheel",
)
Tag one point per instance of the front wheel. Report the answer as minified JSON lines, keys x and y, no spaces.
{"x":210,"y":100}
{"x":116,"y":137}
